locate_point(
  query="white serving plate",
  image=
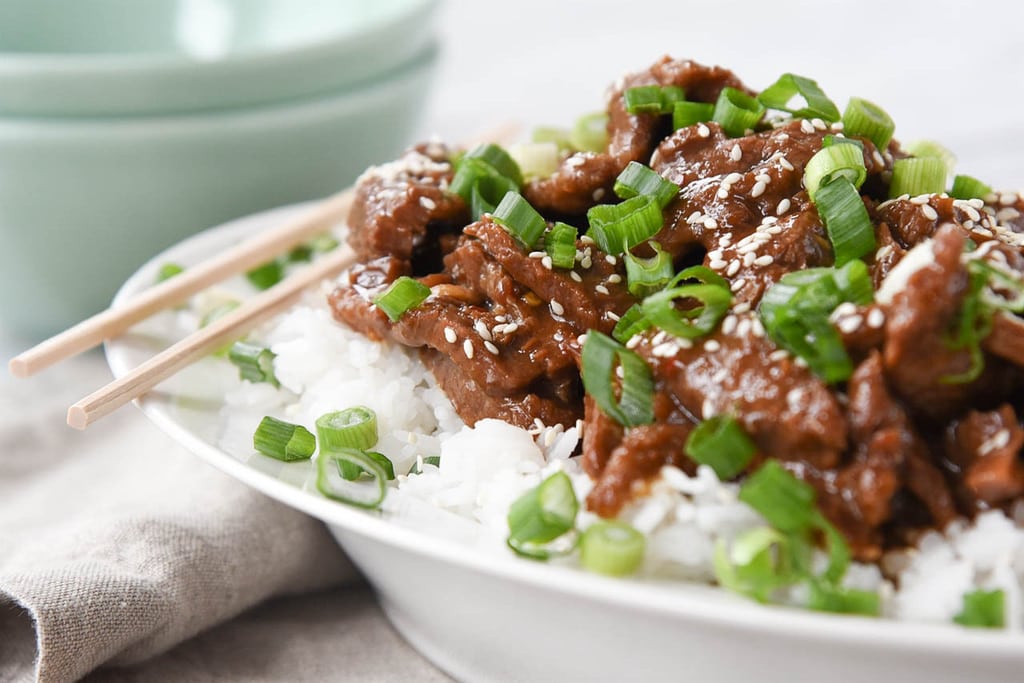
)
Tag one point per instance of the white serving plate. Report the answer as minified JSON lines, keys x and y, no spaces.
{"x":485,"y":617}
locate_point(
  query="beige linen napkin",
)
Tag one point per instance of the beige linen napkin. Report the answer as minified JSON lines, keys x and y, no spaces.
{"x":115,"y":544}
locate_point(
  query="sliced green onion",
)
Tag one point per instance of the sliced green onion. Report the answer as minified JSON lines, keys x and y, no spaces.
{"x":498,"y":159}
{"x":535,"y":159}
{"x":402,"y":295}
{"x":255,"y":363}
{"x":559,"y":136}
{"x":915,"y":176}
{"x":758,"y":561}
{"x":434,"y":460}
{"x":660,"y":309}
{"x":972,"y":324}
{"x":967,"y":187}
{"x":670,"y":96}
{"x":834,"y":161}
{"x":737,"y":112}
{"x":331,"y":483}
{"x":612,"y":548}
{"x":521,"y":220}
{"x":721,"y":443}
{"x":560,"y":245}
{"x":631,"y":323}
{"x":169,"y":270}
{"x":830,"y":140}
{"x":826,"y":597}
{"x":618,"y":227}
{"x":853,"y":280}
{"x":350,"y":471}
{"x":846,"y":220}
{"x":637,"y":179}
{"x":590,"y":134}
{"x":470,"y":173}
{"x":999,"y":280}
{"x":647,"y":275}
{"x":600,"y":357}
{"x":542,"y":514}
{"x":686,"y":114}
{"x":644,"y":99}
{"x":354,"y":427}
{"x":267,"y":275}
{"x":779,"y":94}
{"x":983,"y":609}
{"x":864,"y":119}
{"x":283,"y":440}
{"x":838,"y":550}
{"x":783,"y":500}
{"x":487,"y":192}
{"x":701,"y":274}
{"x":932,"y":149}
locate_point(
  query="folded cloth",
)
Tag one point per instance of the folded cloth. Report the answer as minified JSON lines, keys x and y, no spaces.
{"x":115,"y":544}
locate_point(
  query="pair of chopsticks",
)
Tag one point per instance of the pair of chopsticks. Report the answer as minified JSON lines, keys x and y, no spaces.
{"x":245,"y":256}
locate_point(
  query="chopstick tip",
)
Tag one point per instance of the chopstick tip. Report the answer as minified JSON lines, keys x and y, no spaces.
{"x":18,"y":367}
{"x":78,"y":418}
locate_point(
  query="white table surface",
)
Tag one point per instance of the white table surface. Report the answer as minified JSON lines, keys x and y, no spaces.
{"x":949,"y":71}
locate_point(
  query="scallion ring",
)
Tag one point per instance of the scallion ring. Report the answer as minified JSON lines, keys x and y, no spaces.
{"x":918,"y":175}
{"x":817,"y":105}
{"x":612,"y":548}
{"x":283,"y":440}
{"x":685,"y":114}
{"x":542,"y":514}
{"x":721,"y":443}
{"x":522,"y":221}
{"x":360,"y":493}
{"x":846,"y":219}
{"x":968,"y":187}
{"x":737,"y":112}
{"x":618,"y":227}
{"x":661,"y":310}
{"x":647,"y":275}
{"x":560,"y":245}
{"x":354,"y":427}
{"x":835,"y":161}
{"x":631,"y":323}
{"x":637,"y":179}
{"x":401,"y":296}
{"x":600,"y":357}
{"x":255,"y":363}
{"x":867,"y":120}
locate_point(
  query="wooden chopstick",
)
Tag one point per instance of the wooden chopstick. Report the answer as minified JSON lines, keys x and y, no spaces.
{"x":108,"y":324}
{"x":195,"y":346}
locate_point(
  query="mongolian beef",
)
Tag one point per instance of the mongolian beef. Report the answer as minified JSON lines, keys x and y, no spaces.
{"x":748,"y":283}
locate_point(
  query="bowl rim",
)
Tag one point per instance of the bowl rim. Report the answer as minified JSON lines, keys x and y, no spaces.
{"x":35,"y":64}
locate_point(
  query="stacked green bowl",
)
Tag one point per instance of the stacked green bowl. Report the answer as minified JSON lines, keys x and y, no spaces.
{"x":126,"y":126}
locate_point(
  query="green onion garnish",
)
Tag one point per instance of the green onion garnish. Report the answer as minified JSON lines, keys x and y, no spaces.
{"x":560,"y":245}
{"x":631,"y":323}
{"x":686,"y":114}
{"x":283,"y":440}
{"x":779,"y":94}
{"x":487,"y":192}
{"x":267,"y":275}
{"x":967,"y":187}
{"x":498,"y":159}
{"x":915,"y":176}
{"x":983,"y":609}
{"x":255,"y":363}
{"x":535,"y":159}
{"x":541,"y":515}
{"x":830,"y":140}
{"x":559,"y":136}
{"x":782,"y":499}
{"x":972,"y":324}
{"x":590,"y":134}
{"x":661,"y":310}
{"x":825,"y":597}
{"x":644,"y":99}
{"x":169,"y":270}
{"x":350,"y":471}
{"x":721,"y":443}
{"x":331,"y":483}
{"x":354,"y":427}
{"x":758,"y":561}
{"x":612,"y":548}
{"x":834,"y":161}
{"x":737,"y":112}
{"x":647,"y":275}
{"x":618,"y":227}
{"x":402,"y":295}
{"x":866,"y":120}
{"x":516,"y":215}
{"x":635,"y":404}
{"x":637,"y":179}
{"x":846,"y":220}
{"x":933,"y":150}
{"x":434,"y":460}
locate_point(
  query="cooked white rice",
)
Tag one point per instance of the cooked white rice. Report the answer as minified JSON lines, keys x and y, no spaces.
{"x":323,"y":367}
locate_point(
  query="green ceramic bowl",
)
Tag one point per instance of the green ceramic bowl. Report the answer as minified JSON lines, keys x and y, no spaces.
{"x":159,"y":57}
{"x":84,"y":203}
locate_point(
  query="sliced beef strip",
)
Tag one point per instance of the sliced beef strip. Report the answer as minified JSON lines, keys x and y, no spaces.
{"x":402,"y":209}
{"x":918,"y":358}
{"x":986,"y":449}
{"x":585,"y":179}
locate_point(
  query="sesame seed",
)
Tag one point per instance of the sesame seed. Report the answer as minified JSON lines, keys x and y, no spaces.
{"x":710,"y":223}
{"x":806,"y":126}
{"x":743,"y":328}
{"x":660,"y":337}
{"x":723,"y":193}
{"x":467,"y":348}
{"x":491,"y":347}
{"x":449,"y":335}
{"x":850,"y":324}
{"x":756,"y":328}
{"x":614,"y":279}
{"x":784,"y":162}
{"x":712,"y":345}
{"x":557,"y":308}
{"x":600,"y":289}
{"x":684,"y":343}
{"x":634,"y":341}
{"x":481,"y":329}
{"x":741,"y":308}
{"x":511,"y":328}
{"x":734,"y":267}
{"x":749,"y":258}
{"x":765,"y":260}
{"x":717,"y":264}
{"x":736,"y":153}
{"x":818,"y":124}
{"x":537,"y":254}
{"x":575,"y":276}
{"x":703,"y":130}
{"x":778,"y":355}
{"x":586,"y":239}
{"x":758,"y":189}
{"x":665,"y":350}
{"x":582,"y":339}
{"x":774,"y":230}
{"x":598,"y":194}
{"x":844,"y":309}
{"x":611,"y":315}
{"x":707,"y":409}
{"x":720,"y":376}
{"x":876,"y":318}
{"x":920,"y":199}
{"x":585,"y":263}
{"x":763,"y":178}
{"x":729,"y":324}
{"x":1007,"y":199}
{"x":800,"y":362}
{"x":611,"y":259}
{"x":783,"y":207}
{"x":428,"y":203}
{"x":736,"y":286}
{"x":547,"y":262}
{"x":733,"y":178}
{"x":929,"y":213}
